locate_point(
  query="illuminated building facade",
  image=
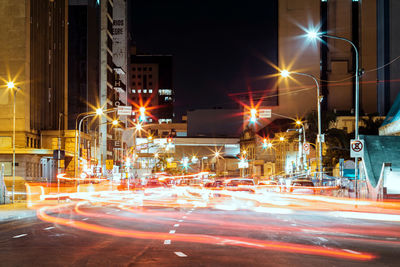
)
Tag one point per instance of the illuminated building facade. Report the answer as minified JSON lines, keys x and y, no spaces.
{"x":150,"y":81}
{"x":33,"y":53}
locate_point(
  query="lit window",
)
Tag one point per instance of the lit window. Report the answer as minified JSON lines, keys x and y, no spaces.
{"x":145,"y":91}
{"x":133,"y":91}
{"x":150,"y":120}
{"x":150,"y":91}
{"x":165,"y":92}
{"x":168,"y":98}
{"x":139,"y":91}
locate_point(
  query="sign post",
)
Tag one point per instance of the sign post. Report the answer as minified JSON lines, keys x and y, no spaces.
{"x":265,"y":113}
{"x":306,"y":148}
{"x":124,"y":110}
{"x":356,"y":148}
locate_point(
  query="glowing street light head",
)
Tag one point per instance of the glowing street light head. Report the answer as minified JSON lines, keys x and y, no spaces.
{"x":298,"y":122}
{"x":10,"y":85}
{"x":139,"y":127}
{"x":269,"y":145}
{"x":99,"y":111}
{"x":312,"y":34}
{"x":115,"y":122}
{"x":142,"y":110}
{"x":285,"y":73}
{"x":281,"y":138}
{"x":216,"y":154}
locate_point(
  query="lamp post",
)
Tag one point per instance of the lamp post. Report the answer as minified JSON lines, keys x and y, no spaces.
{"x":285,"y":73}
{"x":12,"y":87}
{"x":316,"y":35}
{"x":98,"y":112}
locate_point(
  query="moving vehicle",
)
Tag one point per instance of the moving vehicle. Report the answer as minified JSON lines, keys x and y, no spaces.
{"x":302,"y":186}
{"x":240,"y":184}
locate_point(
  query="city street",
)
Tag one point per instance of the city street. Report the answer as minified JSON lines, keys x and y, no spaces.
{"x":198,"y":227}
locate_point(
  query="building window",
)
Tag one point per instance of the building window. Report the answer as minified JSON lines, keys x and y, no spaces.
{"x":145,"y":91}
{"x":139,"y":69}
{"x":133,"y":91}
{"x":134,"y":69}
{"x":27,"y":142}
{"x":139,"y":91}
{"x":139,"y":83}
{"x":133,"y":76}
{"x":165,"y":92}
{"x":150,"y":91}
{"x":139,"y":76}
{"x":150,"y":76}
{"x":133,"y":83}
{"x":168,"y":98}
{"x":150,"y":83}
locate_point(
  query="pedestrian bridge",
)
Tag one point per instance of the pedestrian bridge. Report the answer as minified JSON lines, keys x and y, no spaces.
{"x":381,"y":165}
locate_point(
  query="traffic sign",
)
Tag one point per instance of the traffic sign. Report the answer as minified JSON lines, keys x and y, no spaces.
{"x":109,"y":164}
{"x":356,"y":148}
{"x":306,"y":148}
{"x":265,"y":113}
{"x":124,"y":110}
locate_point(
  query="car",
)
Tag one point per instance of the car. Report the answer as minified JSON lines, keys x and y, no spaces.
{"x":240,"y":184}
{"x":302,"y":186}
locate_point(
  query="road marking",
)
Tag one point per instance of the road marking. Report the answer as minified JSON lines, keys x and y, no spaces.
{"x":172,"y":231}
{"x":184,"y":217}
{"x":351,"y":251}
{"x":180,"y":221}
{"x":180,"y":254}
{"x":167,"y":242}
{"x":18,"y":236}
{"x":48,"y":228}
{"x":322,"y":239}
{"x":176,"y":225}
{"x":108,"y":212}
{"x":85,"y":219}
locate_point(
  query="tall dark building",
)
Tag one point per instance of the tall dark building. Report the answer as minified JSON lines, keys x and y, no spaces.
{"x":150,"y":79}
{"x":33,"y":54}
{"x":83,"y":60}
{"x":388,"y":48}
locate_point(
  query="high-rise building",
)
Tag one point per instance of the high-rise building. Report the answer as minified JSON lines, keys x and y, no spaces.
{"x":33,"y":54}
{"x":83,"y":58}
{"x":150,"y":81}
{"x":106,"y":87}
{"x":330,"y":60}
{"x":388,"y":49}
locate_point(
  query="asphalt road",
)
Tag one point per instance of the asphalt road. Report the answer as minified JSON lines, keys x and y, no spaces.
{"x":187,"y":229}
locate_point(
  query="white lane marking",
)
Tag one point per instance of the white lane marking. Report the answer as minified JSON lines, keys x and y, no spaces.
{"x":180,"y":221}
{"x":85,"y":219}
{"x":172,"y":231}
{"x":322,"y":239}
{"x":48,"y":228}
{"x":176,"y":225}
{"x":184,"y":217}
{"x":180,"y":254}
{"x":351,"y":251}
{"x":18,"y":236}
{"x":167,"y":242}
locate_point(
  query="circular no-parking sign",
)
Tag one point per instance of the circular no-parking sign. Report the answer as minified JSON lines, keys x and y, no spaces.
{"x":306,"y":146}
{"x":357,"y":146}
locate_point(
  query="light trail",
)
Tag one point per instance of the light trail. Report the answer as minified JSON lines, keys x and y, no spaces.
{"x":206,"y":239}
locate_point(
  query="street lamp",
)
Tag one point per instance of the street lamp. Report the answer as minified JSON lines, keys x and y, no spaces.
{"x":317,"y":35}
{"x":285,"y":73}
{"x":14,"y":89}
{"x":98,"y":112}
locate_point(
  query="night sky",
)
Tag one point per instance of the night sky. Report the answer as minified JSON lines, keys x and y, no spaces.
{"x":218,"y":46}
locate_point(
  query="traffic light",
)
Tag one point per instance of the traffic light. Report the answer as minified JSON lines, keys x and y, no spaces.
{"x":253,"y":115}
{"x":169,"y":140}
{"x":142,"y":114}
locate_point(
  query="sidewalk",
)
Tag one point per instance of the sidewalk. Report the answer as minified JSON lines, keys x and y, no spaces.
{"x":16,"y":211}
